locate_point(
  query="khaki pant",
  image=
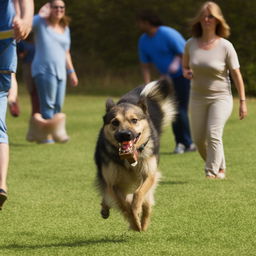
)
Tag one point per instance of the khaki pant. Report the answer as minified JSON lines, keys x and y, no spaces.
{"x":207,"y":120}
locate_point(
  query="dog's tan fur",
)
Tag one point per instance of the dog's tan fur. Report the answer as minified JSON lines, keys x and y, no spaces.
{"x":131,"y":188}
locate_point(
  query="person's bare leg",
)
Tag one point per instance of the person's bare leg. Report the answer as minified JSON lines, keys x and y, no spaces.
{"x":4,"y":161}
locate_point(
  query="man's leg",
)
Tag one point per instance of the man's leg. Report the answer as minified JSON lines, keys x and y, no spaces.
{"x":180,"y":127}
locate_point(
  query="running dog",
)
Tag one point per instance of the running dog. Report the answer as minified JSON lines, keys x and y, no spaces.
{"x":127,"y":151}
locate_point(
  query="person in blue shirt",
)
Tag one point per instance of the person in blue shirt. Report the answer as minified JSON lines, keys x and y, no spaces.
{"x":51,"y":65}
{"x":163,"y":47}
{"x":15,"y":24}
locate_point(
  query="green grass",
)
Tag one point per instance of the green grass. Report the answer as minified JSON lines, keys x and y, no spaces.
{"x":53,"y":207}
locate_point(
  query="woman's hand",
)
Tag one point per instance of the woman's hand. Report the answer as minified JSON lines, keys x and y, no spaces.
{"x":73,"y":79}
{"x":242,"y":110}
{"x":21,"y":28}
{"x":45,"y":11}
{"x":187,"y":73}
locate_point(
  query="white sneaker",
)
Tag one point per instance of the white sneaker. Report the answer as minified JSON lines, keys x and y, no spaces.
{"x":179,"y":149}
{"x":191,"y":148}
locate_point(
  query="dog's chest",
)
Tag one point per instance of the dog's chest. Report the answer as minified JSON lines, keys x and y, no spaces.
{"x":127,"y":177}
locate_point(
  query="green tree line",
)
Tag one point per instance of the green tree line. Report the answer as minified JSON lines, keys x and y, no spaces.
{"x":105,"y":35}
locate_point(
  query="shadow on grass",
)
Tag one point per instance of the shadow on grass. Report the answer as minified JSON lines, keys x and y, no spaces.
{"x":18,"y":145}
{"x":64,"y":244}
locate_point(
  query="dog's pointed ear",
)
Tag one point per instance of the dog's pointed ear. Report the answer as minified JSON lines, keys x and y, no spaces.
{"x":142,"y":103}
{"x":109,"y":104}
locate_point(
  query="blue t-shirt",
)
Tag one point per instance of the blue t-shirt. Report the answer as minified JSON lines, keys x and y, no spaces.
{"x":161,"y":48}
{"x":50,"y":49}
{"x":8,"y":56}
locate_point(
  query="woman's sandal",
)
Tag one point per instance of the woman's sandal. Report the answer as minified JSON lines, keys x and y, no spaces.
{"x":221,"y":174}
{"x":3,"y":197}
{"x":211,"y":176}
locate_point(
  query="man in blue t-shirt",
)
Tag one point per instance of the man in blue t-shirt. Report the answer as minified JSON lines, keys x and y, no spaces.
{"x":15,"y":24}
{"x":163,"y":46}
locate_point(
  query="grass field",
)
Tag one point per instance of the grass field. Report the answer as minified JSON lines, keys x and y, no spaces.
{"x":53,"y":207}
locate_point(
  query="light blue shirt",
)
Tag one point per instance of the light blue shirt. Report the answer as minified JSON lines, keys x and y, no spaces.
{"x":50,"y":49}
{"x":161,"y":48}
{"x":8,"y":55}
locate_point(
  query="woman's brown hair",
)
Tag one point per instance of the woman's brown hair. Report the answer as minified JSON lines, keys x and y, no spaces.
{"x":222,"y":28}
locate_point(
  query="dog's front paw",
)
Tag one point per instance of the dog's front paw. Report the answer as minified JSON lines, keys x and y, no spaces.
{"x":135,"y":227}
{"x":104,"y":213}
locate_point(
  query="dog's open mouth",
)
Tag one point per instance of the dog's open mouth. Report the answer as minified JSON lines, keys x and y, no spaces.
{"x":127,"y":150}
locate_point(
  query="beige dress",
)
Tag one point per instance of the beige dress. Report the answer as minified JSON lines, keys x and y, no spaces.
{"x":210,"y":98}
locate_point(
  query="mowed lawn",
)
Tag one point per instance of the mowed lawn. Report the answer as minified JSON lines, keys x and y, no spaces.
{"x":53,"y":207}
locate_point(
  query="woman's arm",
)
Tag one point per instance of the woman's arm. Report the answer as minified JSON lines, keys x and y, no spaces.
{"x":70,"y":70}
{"x":187,"y":71}
{"x":239,"y":83}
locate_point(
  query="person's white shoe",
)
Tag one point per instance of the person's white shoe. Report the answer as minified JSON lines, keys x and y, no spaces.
{"x":179,"y":149}
{"x":191,"y":148}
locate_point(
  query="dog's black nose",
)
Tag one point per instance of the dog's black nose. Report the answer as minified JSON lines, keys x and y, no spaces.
{"x":124,"y":135}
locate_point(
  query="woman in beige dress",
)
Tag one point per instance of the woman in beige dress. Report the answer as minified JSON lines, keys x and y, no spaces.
{"x":208,"y":61}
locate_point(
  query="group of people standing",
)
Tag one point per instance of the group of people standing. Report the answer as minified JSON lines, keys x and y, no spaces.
{"x":199,"y":68}
{"x":46,"y":75}
{"x":207,"y":59}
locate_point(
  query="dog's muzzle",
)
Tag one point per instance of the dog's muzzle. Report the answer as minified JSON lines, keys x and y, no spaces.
{"x":127,"y":146}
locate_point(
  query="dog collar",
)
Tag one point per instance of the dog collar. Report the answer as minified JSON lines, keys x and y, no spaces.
{"x":141,"y":148}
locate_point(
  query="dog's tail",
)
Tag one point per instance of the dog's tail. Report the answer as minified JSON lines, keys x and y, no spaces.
{"x":162,"y":93}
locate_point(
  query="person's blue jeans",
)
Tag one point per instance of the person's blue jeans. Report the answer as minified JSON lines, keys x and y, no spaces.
{"x":51,"y":92}
{"x":180,"y":126}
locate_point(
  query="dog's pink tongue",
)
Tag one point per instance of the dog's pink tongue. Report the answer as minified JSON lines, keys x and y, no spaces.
{"x":126,"y":145}
{"x":128,"y":152}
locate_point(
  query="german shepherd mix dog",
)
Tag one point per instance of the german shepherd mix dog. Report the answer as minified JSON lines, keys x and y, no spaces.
{"x":127,"y":151}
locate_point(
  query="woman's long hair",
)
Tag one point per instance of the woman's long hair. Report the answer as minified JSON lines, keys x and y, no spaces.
{"x":65,"y":21}
{"x":222,"y":28}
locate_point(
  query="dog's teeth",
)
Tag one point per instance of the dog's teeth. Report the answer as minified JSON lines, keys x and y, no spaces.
{"x":134,"y":164}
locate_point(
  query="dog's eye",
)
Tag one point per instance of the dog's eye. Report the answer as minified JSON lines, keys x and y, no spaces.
{"x":134,"y":121}
{"x":115,"y":122}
